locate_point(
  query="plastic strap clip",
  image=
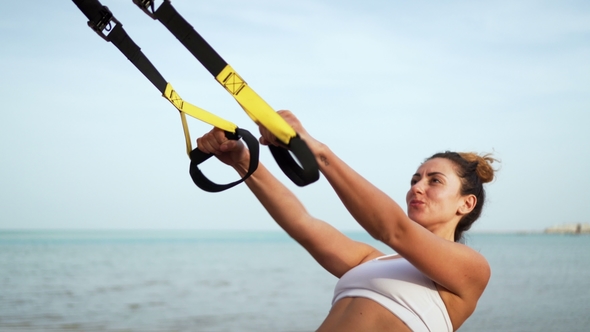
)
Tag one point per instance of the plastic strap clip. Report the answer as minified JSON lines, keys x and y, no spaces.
{"x":104,"y":22}
{"x":147,"y":6}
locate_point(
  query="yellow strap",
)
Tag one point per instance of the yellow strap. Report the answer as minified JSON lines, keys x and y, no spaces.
{"x":196,"y":112}
{"x":187,"y":134}
{"x":256,"y":108}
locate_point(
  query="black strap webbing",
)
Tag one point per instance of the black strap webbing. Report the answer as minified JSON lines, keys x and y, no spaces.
{"x":190,"y":38}
{"x":101,"y":20}
{"x":127,"y":46}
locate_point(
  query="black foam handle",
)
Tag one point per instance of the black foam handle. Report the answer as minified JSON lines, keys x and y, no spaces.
{"x":197,"y":157}
{"x":302,"y":173}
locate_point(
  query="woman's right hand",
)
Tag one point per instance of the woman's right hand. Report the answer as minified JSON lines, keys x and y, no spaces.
{"x":230,"y":152}
{"x":267,"y":138}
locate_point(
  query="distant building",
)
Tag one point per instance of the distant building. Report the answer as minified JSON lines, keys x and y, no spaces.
{"x":572,"y":228}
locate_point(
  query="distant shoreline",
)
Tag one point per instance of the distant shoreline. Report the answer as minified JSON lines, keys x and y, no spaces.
{"x":570,"y":228}
{"x":567,"y":229}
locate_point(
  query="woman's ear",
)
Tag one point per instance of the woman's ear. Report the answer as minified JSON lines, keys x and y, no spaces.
{"x":467,"y":204}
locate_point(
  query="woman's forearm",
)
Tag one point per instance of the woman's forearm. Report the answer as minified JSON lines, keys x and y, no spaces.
{"x":333,"y":250}
{"x":372,"y":209}
{"x":282,"y":205}
{"x":375,"y":211}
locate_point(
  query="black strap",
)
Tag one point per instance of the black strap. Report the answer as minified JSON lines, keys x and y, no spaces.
{"x":101,"y":20}
{"x":190,"y":38}
{"x":302,"y":173}
{"x":127,"y":46}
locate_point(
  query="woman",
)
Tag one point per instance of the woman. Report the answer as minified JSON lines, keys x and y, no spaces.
{"x":433,"y":283}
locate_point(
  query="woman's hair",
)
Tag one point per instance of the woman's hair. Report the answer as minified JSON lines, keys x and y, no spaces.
{"x":474,"y":170}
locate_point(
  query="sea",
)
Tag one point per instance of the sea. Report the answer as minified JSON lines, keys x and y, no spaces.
{"x":255,"y":281}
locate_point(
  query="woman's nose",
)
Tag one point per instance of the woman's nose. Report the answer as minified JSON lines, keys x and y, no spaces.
{"x":418,"y":187}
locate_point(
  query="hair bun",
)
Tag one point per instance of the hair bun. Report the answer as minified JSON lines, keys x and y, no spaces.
{"x":484,"y":169}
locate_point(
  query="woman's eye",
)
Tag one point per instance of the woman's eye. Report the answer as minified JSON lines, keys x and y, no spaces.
{"x":435,"y":180}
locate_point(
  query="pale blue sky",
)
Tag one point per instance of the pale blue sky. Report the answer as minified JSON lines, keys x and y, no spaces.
{"x":88,"y":143}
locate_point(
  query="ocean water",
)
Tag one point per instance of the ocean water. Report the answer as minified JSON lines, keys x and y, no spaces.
{"x":254,"y":281}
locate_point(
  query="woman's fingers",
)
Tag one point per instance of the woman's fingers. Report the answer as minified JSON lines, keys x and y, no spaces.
{"x":212,"y":141}
{"x":266,"y":137}
{"x":230,"y":152}
{"x":228,"y":145}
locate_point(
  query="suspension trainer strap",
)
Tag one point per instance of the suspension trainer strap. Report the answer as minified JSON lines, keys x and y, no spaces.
{"x":102,"y":21}
{"x":256,"y":108}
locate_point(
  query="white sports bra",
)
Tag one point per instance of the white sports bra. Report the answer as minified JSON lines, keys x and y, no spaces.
{"x":401,"y":288}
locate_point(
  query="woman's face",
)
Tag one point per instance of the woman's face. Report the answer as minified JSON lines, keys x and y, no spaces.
{"x":434,"y":197}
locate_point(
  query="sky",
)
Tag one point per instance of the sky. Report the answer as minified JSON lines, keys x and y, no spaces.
{"x":86,"y":142}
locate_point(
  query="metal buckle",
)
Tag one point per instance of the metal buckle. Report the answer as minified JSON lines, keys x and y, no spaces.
{"x":148,"y":7}
{"x":104,"y":23}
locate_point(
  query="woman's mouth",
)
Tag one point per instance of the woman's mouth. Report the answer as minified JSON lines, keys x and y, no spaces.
{"x":416,"y":202}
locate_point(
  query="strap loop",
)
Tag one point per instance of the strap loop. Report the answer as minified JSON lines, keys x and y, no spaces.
{"x":300,"y":175}
{"x":197,"y":157}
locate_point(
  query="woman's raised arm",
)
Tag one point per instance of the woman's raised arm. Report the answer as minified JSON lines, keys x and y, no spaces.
{"x":454,"y":266}
{"x":333,"y":250}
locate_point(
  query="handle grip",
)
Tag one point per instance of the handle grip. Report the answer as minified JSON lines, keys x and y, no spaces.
{"x":302,"y":175}
{"x":197,"y":157}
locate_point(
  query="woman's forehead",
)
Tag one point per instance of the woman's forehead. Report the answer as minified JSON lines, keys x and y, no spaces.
{"x":437,"y":165}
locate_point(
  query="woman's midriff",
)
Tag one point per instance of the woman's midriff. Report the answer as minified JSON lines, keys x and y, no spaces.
{"x":353,"y":314}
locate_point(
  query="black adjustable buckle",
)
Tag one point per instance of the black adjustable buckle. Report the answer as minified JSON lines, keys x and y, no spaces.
{"x":103,"y":22}
{"x":147,"y":6}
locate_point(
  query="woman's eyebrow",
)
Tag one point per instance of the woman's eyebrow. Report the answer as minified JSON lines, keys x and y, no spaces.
{"x":431,"y":174}
{"x":436,"y":173}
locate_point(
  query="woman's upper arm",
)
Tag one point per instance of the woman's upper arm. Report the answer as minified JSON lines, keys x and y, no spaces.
{"x":458,"y":268}
{"x":333,"y":250}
